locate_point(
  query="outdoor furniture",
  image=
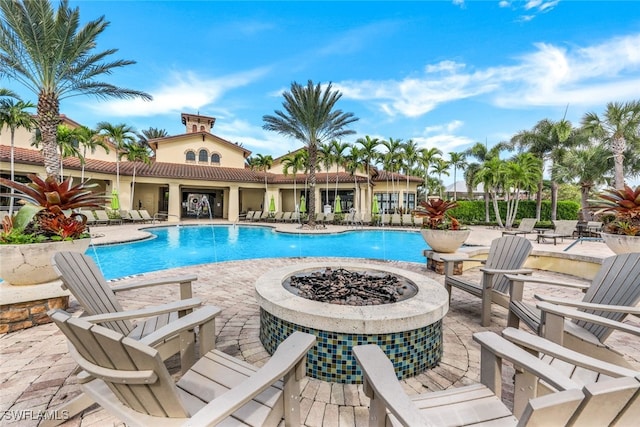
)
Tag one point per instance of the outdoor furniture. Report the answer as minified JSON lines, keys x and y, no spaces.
{"x":277,"y":217}
{"x":103,"y":218}
{"x":295,"y":217}
{"x":418,"y":221}
{"x":564,"y":228}
{"x":319,"y":218}
{"x":248,"y":216}
{"x":507,"y":255}
{"x":525,"y":227}
{"x":579,"y":367}
{"x":81,"y":276}
{"x":396,"y":219}
{"x":612,"y":295}
{"x":256,"y":216}
{"x":286,"y":217}
{"x":144,"y":214}
{"x":329,"y":218}
{"x":129,"y":380}
{"x":480,"y":404}
{"x":406,"y":220}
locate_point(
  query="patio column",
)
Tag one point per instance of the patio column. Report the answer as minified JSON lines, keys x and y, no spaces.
{"x":174,"y":202}
{"x":233,"y":203}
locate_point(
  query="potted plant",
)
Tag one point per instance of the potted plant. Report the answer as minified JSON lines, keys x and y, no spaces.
{"x":621,"y":233}
{"x":441,"y":231}
{"x":46,"y":223}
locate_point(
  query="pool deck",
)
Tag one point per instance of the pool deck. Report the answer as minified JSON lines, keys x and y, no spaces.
{"x":36,"y":370}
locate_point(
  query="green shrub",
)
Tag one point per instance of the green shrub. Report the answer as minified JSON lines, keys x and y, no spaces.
{"x":472,"y":211}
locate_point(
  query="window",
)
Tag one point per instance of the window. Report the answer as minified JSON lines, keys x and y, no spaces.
{"x":194,"y":128}
{"x":410,"y":200}
{"x":215,"y":158}
{"x":190,"y":156}
{"x":201,"y":128}
{"x":203,"y":156}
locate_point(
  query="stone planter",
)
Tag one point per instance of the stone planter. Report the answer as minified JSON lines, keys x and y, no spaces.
{"x":621,"y":244}
{"x":31,"y":264}
{"x":445,"y":241}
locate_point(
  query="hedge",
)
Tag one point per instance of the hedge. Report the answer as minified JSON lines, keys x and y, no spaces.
{"x":472,"y":211}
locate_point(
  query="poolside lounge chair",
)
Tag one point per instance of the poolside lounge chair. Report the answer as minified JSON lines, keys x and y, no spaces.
{"x":144,"y":214}
{"x":507,"y":255}
{"x":91,"y":218}
{"x":329,"y":218}
{"x":348,"y":218}
{"x":396,"y":219}
{"x":82,"y":277}
{"x":564,"y":228}
{"x":366,"y":218}
{"x":128,"y":379}
{"x":480,"y":404}
{"x":319,"y":218}
{"x":295,"y":217}
{"x":104,"y":218}
{"x":277,"y":217}
{"x":525,"y":227}
{"x":248,"y":216}
{"x":406,"y":220}
{"x":418,"y":221}
{"x":256,"y":216}
{"x":612,"y":295}
{"x":356,"y":220}
{"x":286,"y":217}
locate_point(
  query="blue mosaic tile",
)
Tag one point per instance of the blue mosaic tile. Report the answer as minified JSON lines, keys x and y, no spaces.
{"x":331,"y":359}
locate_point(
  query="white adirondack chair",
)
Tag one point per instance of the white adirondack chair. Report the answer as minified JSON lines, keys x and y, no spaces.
{"x":507,"y":255}
{"x":129,"y":380}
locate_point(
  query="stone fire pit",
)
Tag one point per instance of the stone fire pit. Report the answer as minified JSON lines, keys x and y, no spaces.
{"x":409,"y":331}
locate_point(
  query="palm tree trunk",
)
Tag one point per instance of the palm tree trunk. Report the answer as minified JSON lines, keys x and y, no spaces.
{"x":133,"y":185}
{"x":313,"y":158}
{"x":494,"y":198}
{"x":539,"y":200}
{"x":13,"y":167}
{"x":584,"y":201}
{"x":487,"y":217}
{"x":48,"y":117}
{"x":554,"y":200}
{"x":618,"y":147}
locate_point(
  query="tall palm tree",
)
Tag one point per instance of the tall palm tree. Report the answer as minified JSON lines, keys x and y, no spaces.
{"x":14,"y":115}
{"x":410,"y":155}
{"x":89,"y":140}
{"x":30,"y":32}
{"x":369,"y":153}
{"x":310,"y":116}
{"x":263,"y":163}
{"x":427,"y":156}
{"x":353,"y":163}
{"x":8,"y":93}
{"x":391,"y":160}
{"x":457,"y":161}
{"x":338,"y":155}
{"x":440,"y":167}
{"x":618,"y":128}
{"x":522,"y":173}
{"x":136,"y":151}
{"x":294,"y":162}
{"x":68,"y":145}
{"x":490,"y":175}
{"x":325,"y":153}
{"x":120,"y":136}
{"x":152,"y":133}
{"x":482,"y":153}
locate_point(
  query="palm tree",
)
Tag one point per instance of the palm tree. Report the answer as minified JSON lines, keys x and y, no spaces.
{"x":490,"y":175}
{"x":152,"y":133}
{"x":482,"y":153}
{"x":325,"y":152}
{"x":135,"y":152}
{"x":390,"y":161}
{"x":617,"y":128}
{"x":8,"y":93}
{"x":68,"y":145}
{"x":587,"y":165}
{"x":294,"y":162}
{"x":353,"y":163}
{"x":263,"y":163}
{"x":410,"y":155}
{"x":310,"y":116}
{"x":522,"y":173}
{"x":440,"y":167}
{"x":120,"y":136}
{"x":89,"y":140}
{"x":368,"y":153}
{"x":427,"y":157}
{"x":14,"y":115}
{"x":338,"y":156}
{"x":457,"y":161}
{"x":47,"y":52}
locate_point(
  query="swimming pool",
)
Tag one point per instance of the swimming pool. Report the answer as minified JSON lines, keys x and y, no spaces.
{"x":190,"y":245}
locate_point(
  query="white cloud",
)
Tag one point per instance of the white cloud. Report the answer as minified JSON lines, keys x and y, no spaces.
{"x":548,"y":76}
{"x":504,"y":3}
{"x":182,"y":91}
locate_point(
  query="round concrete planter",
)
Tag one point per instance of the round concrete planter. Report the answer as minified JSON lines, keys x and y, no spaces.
{"x":621,"y":244}
{"x":31,"y":264}
{"x":445,"y":241}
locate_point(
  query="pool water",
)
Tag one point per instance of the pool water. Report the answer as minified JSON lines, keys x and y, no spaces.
{"x":190,"y":245}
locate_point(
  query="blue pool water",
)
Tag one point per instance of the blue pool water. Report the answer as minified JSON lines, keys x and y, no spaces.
{"x":191,"y":245}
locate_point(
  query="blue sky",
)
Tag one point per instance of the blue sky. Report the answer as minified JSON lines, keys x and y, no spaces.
{"x":443,"y":73}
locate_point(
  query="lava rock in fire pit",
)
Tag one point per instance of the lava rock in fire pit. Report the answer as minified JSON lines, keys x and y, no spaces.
{"x":346,"y":287}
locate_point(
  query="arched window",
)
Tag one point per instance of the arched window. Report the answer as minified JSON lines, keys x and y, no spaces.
{"x":194,"y":128}
{"x":215,"y":158}
{"x":190,"y":156}
{"x":203,"y":156}
{"x":201,"y":128}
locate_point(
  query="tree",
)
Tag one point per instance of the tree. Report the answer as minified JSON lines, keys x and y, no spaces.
{"x":440,"y":167}
{"x":14,"y":115}
{"x":410,"y":155}
{"x":68,"y":145}
{"x":457,"y":161}
{"x":89,"y":140}
{"x":310,"y":116}
{"x":47,"y":52}
{"x":368,"y":153}
{"x":522,"y":173}
{"x":263,"y":163}
{"x":427,"y":157}
{"x":338,"y":156}
{"x":353,"y":163}
{"x":136,"y":151}
{"x":294,"y":162}
{"x":326,"y":159}
{"x":482,"y":153}
{"x":490,"y":175}
{"x":152,"y":133}
{"x":120,"y":136}
{"x":618,"y":128}
{"x":391,"y":163}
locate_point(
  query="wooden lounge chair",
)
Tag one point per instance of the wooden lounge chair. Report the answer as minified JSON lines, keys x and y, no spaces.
{"x":612,"y":295}
{"x":564,"y":228}
{"x":507,"y":255}
{"x":604,"y":403}
{"x":81,"y":276}
{"x":128,"y":379}
{"x":525,"y":227}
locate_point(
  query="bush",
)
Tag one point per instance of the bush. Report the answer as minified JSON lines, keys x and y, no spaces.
{"x":472,"y":211}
